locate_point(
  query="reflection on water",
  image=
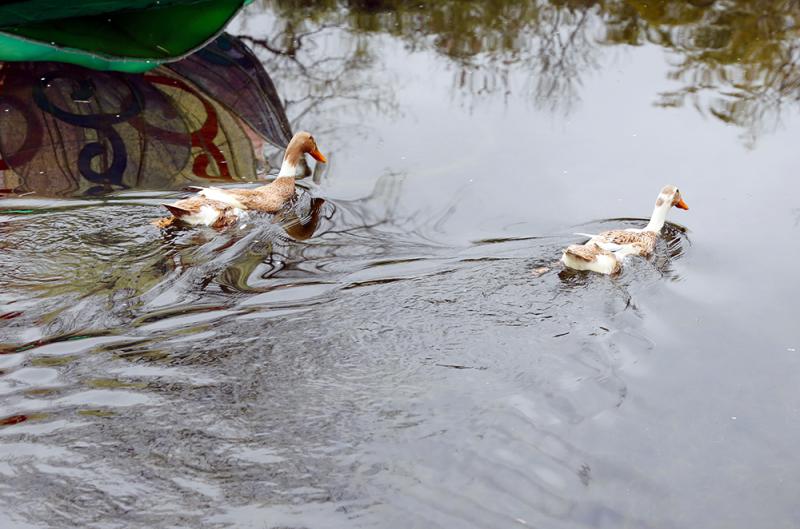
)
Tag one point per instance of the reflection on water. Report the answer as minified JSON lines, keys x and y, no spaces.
{"x":336,"y":90}
{"x":384,"y":352}
{"x":736,"y":60}
{"x":66,"y":130}
{"x":277,"y":420}
{"x":238,"y":416}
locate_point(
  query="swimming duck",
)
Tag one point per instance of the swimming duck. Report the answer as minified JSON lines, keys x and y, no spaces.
{"x":218,"y":208}
{"x":605,"y":251}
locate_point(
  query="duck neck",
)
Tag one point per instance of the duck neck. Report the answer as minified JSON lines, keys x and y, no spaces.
{"x":659,"y":216}
{"x":288,"y":170}
{"x":291,"y":162}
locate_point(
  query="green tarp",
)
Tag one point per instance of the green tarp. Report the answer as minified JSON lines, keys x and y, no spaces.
{"x":123,"y":35}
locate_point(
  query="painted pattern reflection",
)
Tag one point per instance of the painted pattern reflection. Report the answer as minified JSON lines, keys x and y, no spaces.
{"x":66,"y":130}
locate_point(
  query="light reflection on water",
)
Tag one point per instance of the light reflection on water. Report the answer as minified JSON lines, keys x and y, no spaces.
{"x":381,"y":354}
{"x":254,"y":367}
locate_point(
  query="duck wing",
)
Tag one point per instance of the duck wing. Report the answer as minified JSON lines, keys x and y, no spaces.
{"x":231,"y":198}
{"x":177,"y":211}
{"x":631,"y":242}
{"x":584,"y":252}
{"x":620,"y":237}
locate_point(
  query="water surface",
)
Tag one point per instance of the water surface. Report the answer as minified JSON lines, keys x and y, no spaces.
{"x":382,"y":355}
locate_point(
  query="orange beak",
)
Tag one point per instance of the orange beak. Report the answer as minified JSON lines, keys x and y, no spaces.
{"x":682,"y":205}
{"x":318,"y":156}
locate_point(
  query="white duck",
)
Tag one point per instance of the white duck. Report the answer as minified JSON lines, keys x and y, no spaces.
{"x":604,"y":252}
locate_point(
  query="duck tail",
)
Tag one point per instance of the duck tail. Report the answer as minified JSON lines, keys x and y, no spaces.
{"x":591,"y":236}
{"x":177,"y":211}
{"x":590,"y":257}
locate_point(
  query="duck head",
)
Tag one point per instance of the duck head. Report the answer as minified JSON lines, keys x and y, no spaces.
{"x":673,"y":195}
{"x":668,"y":196}
{"x":302,"y":143}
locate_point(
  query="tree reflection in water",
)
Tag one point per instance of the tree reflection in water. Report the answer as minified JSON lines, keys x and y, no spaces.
{"x":325,"y":92}
{"x":736,"y":60}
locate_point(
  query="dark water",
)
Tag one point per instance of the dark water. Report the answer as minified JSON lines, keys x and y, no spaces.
{"x":383,"y":356}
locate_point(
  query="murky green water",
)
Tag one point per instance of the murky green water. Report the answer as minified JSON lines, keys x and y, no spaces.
{"x":382,"y":356}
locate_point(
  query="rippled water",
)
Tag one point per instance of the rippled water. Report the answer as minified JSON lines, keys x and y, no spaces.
{"x":383,"y":355}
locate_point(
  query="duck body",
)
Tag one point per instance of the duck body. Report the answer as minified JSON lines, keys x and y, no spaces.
{"x":603,"y":253}
{"x":218,"y":208}
{"x":268,"y":198}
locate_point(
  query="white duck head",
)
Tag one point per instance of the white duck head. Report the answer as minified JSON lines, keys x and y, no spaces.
{"x":302,"y":143}
{"x":668,"y":197}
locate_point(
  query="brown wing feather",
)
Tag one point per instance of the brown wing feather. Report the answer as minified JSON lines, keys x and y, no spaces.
{"x":645,"y":241}
{"x":621,"y":236}
{"x":177,"y":211}
{"x":269,"y":198}
{"x":190,"y":205}
{"x":584,"y":252}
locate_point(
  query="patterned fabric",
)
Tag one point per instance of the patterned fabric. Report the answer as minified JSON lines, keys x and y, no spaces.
{"x":66,"y":130}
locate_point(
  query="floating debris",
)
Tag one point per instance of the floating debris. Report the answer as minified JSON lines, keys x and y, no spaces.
{"x":459,"y":366}
{"x":538,"y":272}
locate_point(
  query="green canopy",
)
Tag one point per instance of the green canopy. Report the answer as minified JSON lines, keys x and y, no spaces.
{"x":122,"y":35}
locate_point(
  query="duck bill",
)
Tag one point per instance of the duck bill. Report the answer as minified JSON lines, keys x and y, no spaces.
{"x":318,"y":156}
{"x":681,"y":205}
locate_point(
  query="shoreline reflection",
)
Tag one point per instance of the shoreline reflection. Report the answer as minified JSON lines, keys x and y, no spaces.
{"x":735,"y":60}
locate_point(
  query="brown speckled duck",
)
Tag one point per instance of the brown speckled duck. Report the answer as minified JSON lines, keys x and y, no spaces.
{"x":605,"y":251}
{"x":218,"y":208}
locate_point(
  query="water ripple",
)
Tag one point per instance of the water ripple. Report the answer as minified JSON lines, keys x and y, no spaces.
{"x":305,"y":373}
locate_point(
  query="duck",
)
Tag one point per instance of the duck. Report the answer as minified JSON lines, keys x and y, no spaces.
{"x":604,"y":252}
{"x":219,"y":208}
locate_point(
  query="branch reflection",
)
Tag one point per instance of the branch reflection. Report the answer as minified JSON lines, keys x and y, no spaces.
{"x":735,"y":60}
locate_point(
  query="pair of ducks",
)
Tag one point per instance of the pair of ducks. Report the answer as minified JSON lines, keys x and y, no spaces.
{"x":218,"y":208}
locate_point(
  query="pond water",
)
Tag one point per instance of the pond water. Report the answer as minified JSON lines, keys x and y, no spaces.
{"x":384,"y":355}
